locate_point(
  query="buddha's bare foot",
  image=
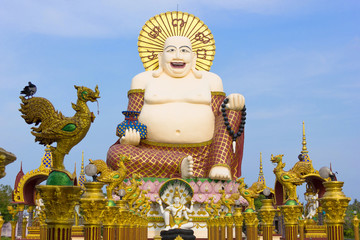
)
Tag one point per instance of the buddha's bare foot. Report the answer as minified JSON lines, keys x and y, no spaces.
{"x":220,"y":173}
{"x":187,"y":167}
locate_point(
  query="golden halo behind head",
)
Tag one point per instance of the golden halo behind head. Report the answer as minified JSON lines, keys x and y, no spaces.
{"x":156,"y":30}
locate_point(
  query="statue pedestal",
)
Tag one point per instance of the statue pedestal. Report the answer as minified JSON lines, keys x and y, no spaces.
{"x":33,"y":232}
{"x":173,"y":233}
{"x":315,"y":231}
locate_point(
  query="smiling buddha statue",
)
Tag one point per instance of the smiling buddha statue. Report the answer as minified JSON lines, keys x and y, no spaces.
{"x":191,"y":124}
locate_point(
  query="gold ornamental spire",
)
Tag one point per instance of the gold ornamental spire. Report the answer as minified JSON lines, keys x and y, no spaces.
{"x":82,"y":164}
{"x":261,"y":166}
{"x":304,"y":149}
{"x":74,"y":173}
{"x":261,"y":174}
{"x":82,"y":177}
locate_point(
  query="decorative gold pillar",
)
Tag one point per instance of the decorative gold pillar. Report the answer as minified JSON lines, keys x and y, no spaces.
{"x":42,"y":221}
{"x":136,"y":226}
{"x":238,"y":220}
{"x":291,"y":214}
{"x":250,"y":222}
{"x":222,"y":225}
{"x":256,"y":228}
{"x":209,"y":228}
{"x":23,"y":230}
{"x":109,"y":217}
{"x":92,"y":203}
{"x":216,"y":228}
{"x":145,"y":227}
{"x":13,"y":229}
{"x":59,"y":202}
{"x":130,"y":228}
{"x":267,"y":213}
{"x":334,"y":202}
{"x":1,"y":224}
{"x":355,"y":222}
{"x":301,"y":228}
{"x":123,"y":216}
{"x":13,"y":211}
{"x":229,"y":227}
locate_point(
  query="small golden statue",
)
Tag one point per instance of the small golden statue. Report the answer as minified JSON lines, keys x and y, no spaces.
{"x":114,"y":179}
{"x":132,"y":192}
{"x":288,"y":179}
{"x":214,"y":206}
{"x":249,"y":194}
{"x":228,"y":202}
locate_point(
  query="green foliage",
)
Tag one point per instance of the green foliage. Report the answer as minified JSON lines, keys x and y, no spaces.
{"x":258,"y":203}
{"x":349,"y":227}
{"x":5,"y":199}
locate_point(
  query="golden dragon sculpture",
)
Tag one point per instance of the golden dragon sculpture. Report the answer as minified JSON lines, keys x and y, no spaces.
{"x":228,"y":202}
{"x":288,"y":179}
{"x":133,"y":191}
{"x":113,"y":179}
{"x":248,"y":193}
{"x":55,"y":127}
{"x":214,"y":206}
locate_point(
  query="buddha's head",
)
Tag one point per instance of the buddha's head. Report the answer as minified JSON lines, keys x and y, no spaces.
{"x":177,"y":59}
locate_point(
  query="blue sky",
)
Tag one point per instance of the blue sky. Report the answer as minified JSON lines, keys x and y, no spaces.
{"x":293,"y":61}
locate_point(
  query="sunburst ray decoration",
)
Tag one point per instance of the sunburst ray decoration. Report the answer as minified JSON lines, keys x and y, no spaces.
{"x":160,"y":27}
{"x":167,"y":191}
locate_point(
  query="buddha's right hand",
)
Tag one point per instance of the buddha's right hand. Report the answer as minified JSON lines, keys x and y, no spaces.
{"x":132,"y":137}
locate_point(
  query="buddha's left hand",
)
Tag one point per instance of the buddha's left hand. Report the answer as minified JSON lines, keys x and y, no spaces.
{"x":236,"y":102}
{"x":132,"y":137}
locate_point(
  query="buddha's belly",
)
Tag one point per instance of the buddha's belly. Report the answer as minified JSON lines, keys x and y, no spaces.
{"x":178,"y":122}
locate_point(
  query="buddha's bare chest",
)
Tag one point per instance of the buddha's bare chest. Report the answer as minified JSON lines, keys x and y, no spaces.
{"x":177,"y":90}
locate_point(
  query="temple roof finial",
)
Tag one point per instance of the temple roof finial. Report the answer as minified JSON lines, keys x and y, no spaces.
{"x":82,"y":177}
{"x":304,"y":149}
{"x":261,"y":166}
{"x":75,"y":169}
{"x":82,"y":164}
{"x":261,"y":174}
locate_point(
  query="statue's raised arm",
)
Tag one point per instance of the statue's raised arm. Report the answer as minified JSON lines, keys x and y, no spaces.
{"x":191,"y":124}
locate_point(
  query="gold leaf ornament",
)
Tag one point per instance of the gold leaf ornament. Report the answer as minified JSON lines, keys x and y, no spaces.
{"x":160,"y":27}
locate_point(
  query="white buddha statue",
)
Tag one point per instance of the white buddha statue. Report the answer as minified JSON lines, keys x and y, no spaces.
{"x":186,"y":134}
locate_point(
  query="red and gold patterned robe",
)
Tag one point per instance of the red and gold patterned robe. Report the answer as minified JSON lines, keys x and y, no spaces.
{"x":163,"y":160}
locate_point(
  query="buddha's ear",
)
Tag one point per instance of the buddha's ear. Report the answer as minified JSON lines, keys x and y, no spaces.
{"x":157,"y":72}
{"x":159,"y":56}
{"x":197,"y":73}
{"x":194,"y":59}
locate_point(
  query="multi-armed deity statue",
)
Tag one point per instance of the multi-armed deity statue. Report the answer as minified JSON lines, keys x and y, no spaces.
{"x":176,"y":193}
{"x":191,"y":124}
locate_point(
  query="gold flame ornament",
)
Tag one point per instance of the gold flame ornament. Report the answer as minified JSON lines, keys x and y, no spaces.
{"x":160,"y":27}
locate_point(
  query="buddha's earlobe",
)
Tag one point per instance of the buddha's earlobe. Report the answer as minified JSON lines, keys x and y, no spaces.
{"x":158,"y":72}
{"x":197,"y":73}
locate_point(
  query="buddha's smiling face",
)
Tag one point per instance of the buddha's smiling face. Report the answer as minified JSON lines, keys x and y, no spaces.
{"x":177,"y":57}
